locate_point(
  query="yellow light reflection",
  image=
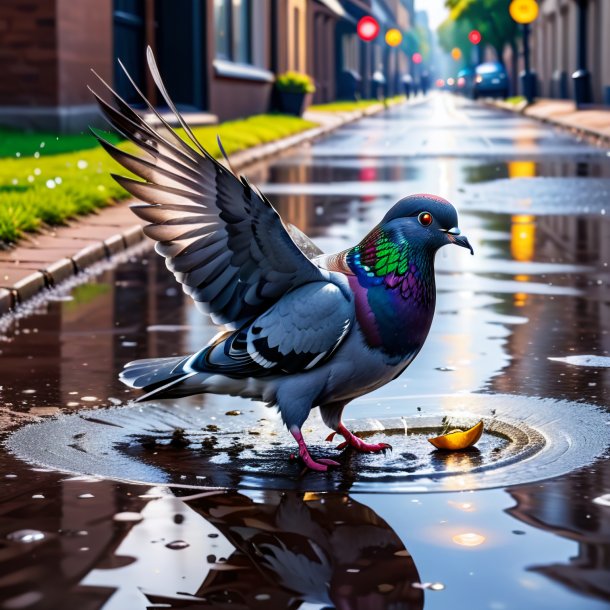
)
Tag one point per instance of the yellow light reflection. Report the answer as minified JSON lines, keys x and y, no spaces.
{"x":467,"y":507}
{"x":522,"y":237}
{"x":521,"y":169}
{"x":520,"y":299}
{"x":468,"y":539}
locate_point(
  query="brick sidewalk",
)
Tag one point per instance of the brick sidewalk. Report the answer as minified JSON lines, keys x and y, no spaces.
{"x":594,"y":122}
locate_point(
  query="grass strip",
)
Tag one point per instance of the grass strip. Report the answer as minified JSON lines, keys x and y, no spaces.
{"x":51,"y":189}
{"x":351,"y":106}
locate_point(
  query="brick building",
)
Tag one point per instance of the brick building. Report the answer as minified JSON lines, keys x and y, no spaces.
{"x":216,"y":56}
{"x":555,"y":36}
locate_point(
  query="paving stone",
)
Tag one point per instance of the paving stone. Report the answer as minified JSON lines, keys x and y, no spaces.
{"x":114,"y":244}
{"x":6,"y":300}
{"x":60,"y":270}
{"x":89,"y":255}
{"x":133,"y":235}
{"x":36,"y":257}
{"x":29,"y":285}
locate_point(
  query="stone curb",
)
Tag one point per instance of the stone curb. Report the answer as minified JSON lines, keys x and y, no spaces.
{"x":13,"y":293}
{"x":591,"y":135}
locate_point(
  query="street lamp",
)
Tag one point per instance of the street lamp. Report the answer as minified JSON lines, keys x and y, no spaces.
{"x":474,"y":37}
{"x":367,"y":28}
{"x":393,"y":37}
{"x":582,"y":76}
{"x":456,"y":54}
{"x":524,"y":12}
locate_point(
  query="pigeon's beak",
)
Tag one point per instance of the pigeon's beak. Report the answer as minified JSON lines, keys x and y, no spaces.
{"x":455,"y":236}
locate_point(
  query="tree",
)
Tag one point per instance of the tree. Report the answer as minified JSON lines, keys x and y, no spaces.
{"x":452,"y":34}
{"x":491,"y":18}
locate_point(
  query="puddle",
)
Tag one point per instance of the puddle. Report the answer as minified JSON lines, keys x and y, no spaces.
{"x":171,"y":444}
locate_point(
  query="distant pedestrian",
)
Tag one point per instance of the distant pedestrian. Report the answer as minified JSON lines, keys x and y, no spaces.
{"x":407,"y":83}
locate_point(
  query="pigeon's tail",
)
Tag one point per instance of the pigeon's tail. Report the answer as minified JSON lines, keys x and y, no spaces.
{"x":161,"y":377}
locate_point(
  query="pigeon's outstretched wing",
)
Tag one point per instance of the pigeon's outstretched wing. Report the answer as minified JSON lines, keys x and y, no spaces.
{"x":222,"y":238}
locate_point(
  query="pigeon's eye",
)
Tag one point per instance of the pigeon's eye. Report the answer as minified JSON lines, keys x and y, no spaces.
{"x":425,"y":219}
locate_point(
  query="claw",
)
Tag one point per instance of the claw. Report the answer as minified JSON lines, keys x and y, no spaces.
{"x":342,"y":445}
{"x":321,"y":465}
{"x":358,"y":444}
{"x":330,"y":436}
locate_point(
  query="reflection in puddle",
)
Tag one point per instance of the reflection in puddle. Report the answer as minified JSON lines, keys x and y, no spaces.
{"x":262,"y":551}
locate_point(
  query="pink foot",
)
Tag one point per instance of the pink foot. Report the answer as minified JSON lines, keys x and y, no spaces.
{"x":321,"y":465}
{"x":358,"y":444}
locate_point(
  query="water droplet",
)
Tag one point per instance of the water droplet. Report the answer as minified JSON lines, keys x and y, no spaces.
{"x":89,"y":398}
{"x":433,"y":586}
{"x":445,"y":368}
{"x":50,"y":184}
{"x":177,"y":545}
{"x":58,"y":180}
{"x":82,"y":164}
{"x":262,"y":597}
{"x":37,"y":497}
{"x":518,"y":532}
{"x":86,"y":496}
{"x":128,"y":517}
{"x":26,"y":536}
{"x":36,"y":155}
{"x":30,"y":391}
{"x":84,"y":548}
{"x":602,"y":500}
{"x":385,"y":588}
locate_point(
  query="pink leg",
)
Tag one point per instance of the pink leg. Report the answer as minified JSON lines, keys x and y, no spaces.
{"x":357,"y":443}
{"x":321,"y":465}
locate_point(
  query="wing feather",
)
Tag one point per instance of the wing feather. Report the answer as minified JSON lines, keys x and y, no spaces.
{"x":222,"y":239}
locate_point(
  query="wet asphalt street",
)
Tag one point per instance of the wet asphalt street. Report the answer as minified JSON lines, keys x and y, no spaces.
{"x":197,"y":504}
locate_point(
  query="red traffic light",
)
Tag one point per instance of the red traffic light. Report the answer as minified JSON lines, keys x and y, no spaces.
{"x":417,"y":58}
{"x":474,"y":36}
{"x":367,"y":28}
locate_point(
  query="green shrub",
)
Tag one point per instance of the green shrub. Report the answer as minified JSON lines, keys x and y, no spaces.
{"x":295,"y":82}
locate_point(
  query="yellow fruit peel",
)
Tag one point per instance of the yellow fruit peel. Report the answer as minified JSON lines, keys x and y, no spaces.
{"x":458,"y":439}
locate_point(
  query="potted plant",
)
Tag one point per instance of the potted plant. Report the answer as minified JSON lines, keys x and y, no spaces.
{"x":293,"y":91}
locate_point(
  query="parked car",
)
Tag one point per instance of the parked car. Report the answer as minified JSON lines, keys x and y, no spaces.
{"x":465,"y":81}
{"x":491,"y":80}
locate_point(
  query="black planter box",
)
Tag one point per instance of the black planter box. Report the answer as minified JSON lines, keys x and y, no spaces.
{"x":292,"y":103}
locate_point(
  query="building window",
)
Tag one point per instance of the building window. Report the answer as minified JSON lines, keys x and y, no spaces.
{"x":232,"y":20}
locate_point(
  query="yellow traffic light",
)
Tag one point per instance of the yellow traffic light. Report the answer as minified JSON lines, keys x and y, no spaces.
{"x":523,"y":11}
{"x":393,"y":37}
{"x":456,"y":53}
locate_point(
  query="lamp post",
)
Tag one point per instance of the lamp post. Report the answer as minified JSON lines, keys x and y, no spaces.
{"x":475,"y":38}
{"x":582,"y":76}
{"x":524,"y":12}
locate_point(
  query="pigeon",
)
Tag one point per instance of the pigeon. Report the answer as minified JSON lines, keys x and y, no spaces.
{"x":301,"y":329}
